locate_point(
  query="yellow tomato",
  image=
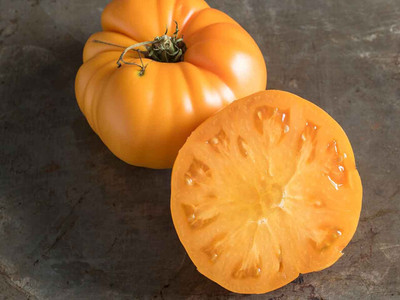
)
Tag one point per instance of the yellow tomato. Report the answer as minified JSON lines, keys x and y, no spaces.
{"x":265,"y":189}
{"x":145,"y":109}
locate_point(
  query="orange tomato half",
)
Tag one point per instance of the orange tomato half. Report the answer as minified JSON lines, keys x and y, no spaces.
{"x":264,"y":190}
{"x":144,"y":119}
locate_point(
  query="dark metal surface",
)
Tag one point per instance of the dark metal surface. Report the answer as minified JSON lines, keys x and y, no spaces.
{"x":77,"y":223}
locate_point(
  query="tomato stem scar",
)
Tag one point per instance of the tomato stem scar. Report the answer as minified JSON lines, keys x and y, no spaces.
{"x":168,"y":49}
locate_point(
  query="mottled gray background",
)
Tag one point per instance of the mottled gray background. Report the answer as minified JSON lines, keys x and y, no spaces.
{"x":77,"y":223}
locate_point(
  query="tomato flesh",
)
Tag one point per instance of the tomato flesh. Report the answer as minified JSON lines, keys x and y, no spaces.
{"x":264,"y":190}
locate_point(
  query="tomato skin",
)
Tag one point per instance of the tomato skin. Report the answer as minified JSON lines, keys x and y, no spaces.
{"x":144,"y":120}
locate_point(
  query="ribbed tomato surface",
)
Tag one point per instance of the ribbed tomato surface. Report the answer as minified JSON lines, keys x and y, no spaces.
{"x":145,"y":118}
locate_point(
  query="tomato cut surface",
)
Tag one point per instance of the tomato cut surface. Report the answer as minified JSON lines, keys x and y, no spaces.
{"x":264,"y":190}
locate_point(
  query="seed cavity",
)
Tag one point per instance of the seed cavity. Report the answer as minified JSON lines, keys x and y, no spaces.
{"x":307,"y":142}
{"x":220,"y":142}
{"x":243,"y":146}
{"x":262,"y":114}
{"x":214,"y":249}
{"x":249,"y":267}
{"x":329,"y":237}
{"x":188,"y":179}
{"x":199,"y":216}
{"x":334,"y":168}
{"x":198,"y":172}
{"x":276,"y":120}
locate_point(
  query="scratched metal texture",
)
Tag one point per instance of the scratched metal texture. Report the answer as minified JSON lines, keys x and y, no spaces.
{"x":77,"y":223}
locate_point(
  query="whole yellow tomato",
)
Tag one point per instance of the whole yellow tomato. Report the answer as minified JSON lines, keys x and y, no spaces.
{"x":144,"y":89}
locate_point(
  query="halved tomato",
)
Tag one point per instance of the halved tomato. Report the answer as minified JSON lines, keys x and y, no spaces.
{"x":264,"y":190}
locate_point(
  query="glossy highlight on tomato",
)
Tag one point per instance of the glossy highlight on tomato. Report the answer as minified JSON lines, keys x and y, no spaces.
{"x":145,"y":112}
{"x":263,"y":190}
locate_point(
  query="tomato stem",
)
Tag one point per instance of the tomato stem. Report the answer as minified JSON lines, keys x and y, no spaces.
{"x":168,"y":49}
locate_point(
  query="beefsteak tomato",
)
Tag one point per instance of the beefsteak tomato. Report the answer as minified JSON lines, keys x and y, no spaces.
{"x":143,"y":89}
